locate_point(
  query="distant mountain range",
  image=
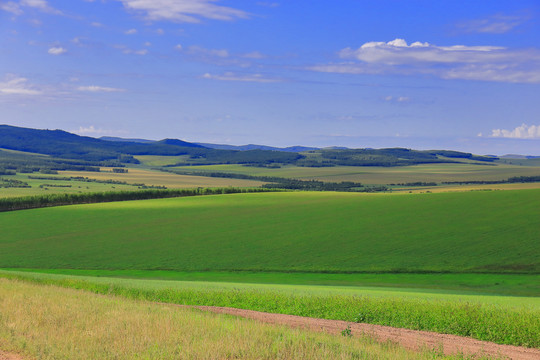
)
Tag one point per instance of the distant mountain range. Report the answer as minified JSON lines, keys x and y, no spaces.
{"x":517,"y":156}
{"x":111,"y":150}
{"x":225,"y":146}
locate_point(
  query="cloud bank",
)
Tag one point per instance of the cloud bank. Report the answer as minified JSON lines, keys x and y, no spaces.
{"x":229,"y":76}
{"x":57,"y":51}
{"x":94,"y":88}
{"x":188,"y":11}
{"x":17,"y":8}
{"x":17,"y":86}
{"x":521,"y":132}
{"x":485,"y":63}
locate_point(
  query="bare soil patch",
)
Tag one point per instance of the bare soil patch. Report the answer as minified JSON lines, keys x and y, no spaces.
{"x":410,"y":339}
{"x":9,"y":356}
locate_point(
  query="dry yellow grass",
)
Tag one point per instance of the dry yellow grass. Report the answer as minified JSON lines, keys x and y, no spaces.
{"x":169,"y":180}
{"x":47,"y":322}
{"x":470,"y":187}
{"x":384,"y":175}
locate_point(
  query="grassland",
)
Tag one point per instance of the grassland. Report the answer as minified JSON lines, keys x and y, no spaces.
{"x":309,"y":232}
{"x":49,"y":322}
{"x":134,"y":176}
{"x":44,"y":187}
{"x":524,"y":285}
{"x":382,"y":175}
{"x":434,"y":262}
{"x":504,"y":320}
{"x":158,"y":178}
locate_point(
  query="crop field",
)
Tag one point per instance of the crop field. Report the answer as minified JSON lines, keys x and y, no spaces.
{"x":457,"y":283}
{"x":296,"y":231}
{"x":440,"y":262}
{"x":55,"y":184}
{"x":505,"y":320}
{"x":49,"y":186}
{"x":49,"y":322}
{"x":382,"y":175}
{"x":158,"y":178}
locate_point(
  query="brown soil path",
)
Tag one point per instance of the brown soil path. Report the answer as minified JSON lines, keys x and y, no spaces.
{"x":410,"y":339}
{"x":9,"y":356}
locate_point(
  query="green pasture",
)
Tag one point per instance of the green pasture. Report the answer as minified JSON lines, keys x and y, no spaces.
{"x":483,"y":232}
{"x":465,"y":284}
{"x":160,"y":178}
{"x":134,"y":176}
{"x":58,"y":186}
{"x":507,"y":320}
{"x":382,"y":175}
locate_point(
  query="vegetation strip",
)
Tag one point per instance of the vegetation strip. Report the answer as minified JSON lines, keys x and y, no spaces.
{"x":501,"y":324}
{"x":40,"y":201}
{"x":410,"y":339}
{"x":515,"y":285}
{"x":48,"y":322}
{"x":276,"y":182}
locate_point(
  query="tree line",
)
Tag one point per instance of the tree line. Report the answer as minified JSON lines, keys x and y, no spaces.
{"x":39,"y":201}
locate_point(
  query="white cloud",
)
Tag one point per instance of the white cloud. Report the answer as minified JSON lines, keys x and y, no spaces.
{"x":14,"y":85}
{"x":190,"y":11}
{"x":41,"y":5}
{"x":11,"y":7}
{"x":199,"y":51}
{"x":496,"y":24}
{"x":57,"y":51}
{"x":398,"y":52}
{"x":136,"y":52}
{"x":521,"y":132}
{"x":96,"y":24}
{"x":92,"y":130}
{"x":178,"y":47}
{"x":160,"y":31}
{"x":399,"y":99}
{"x":486,"y":63}
{"x":94,"y":88}
{"x":130,"y":32}
{"x":16,"y":8}
{"x":229,"y":76}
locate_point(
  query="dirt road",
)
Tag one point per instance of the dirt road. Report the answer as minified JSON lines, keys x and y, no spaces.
{"x":410,"y":339}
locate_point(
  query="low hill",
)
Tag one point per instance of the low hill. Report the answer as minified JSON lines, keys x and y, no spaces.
{"x":257,"y":147}
{"x":62,"y":144}
{"x":303,"y":231}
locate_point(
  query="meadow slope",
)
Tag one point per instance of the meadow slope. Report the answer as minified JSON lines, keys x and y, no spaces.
{"x":487,"y":231}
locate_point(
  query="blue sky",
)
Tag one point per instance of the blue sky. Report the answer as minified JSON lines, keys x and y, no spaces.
{"x":417,"y":74}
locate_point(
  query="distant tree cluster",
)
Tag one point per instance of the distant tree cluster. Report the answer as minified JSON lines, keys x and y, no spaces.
{"x":515,"y":179}
{"x":416,"y":183}
{"x":13,"y":183}
{"x":32,"y":202}
{"x":290,"y":184}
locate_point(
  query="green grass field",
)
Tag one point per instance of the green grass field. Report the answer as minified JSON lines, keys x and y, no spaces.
{"x":462,"y":283}
{"x":460,"y":263}
{"x":40,"y":187}
{"x":506,"y":320}
{"x":309,"y":232}
{"x":383,"y":175}
{"x":134,"y":176}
